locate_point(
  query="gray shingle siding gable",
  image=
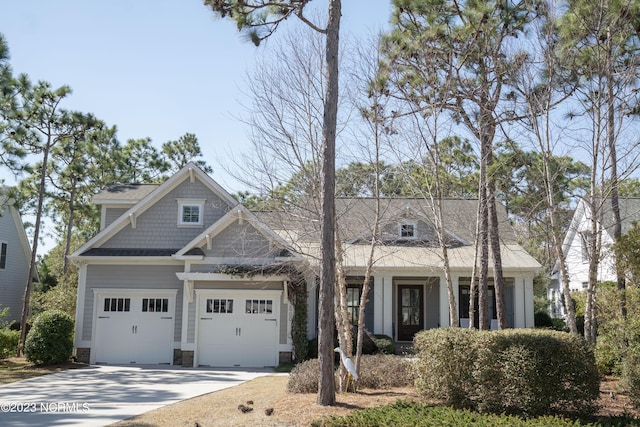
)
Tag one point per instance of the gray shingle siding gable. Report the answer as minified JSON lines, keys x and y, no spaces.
{"x":13,"y":277}
{"x":241,"y":240}
{"x":111,"y":214}
{"x":131,"y":277}
{"x":157,"y":227}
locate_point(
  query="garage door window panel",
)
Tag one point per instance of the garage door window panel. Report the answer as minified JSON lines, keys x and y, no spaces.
{"x":255,"y":306}
{"x":155,"y":305}
{"x":117,"y":304}
{"x":219,"y":305}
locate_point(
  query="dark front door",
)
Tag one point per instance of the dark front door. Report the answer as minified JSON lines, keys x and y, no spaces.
{"x":410,"y":311}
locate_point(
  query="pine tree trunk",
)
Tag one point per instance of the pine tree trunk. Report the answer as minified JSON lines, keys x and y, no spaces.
{"x":326,"y":382}
{"x":613,"y":164}
{"x":498,"y":280}
{"x":34,"y":249}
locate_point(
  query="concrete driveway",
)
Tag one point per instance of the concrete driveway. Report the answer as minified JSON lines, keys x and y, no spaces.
{"x":101,"y":395}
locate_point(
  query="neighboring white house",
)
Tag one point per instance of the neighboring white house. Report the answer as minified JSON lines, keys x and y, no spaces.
{"x":162,"y":281}
{"x":15,"y":253}
{"x":576,"y":250}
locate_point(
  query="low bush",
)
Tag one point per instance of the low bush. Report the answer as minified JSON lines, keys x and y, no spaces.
{"x":408,"y":413}
{"x":304,"y":377}
{"x":631,"y":375}
{"x":528,"y":372}
{"x":8,"y":342}
{"x":50,"y":339}
{"x":542,"y":320}
{"x":384,"y":371}
{"x":445,"y":365}
{"x":385,"y":344}
{"x":378,"y":371}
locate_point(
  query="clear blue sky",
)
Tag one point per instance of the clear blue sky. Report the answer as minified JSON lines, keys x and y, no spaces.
{"x":154,"y":69}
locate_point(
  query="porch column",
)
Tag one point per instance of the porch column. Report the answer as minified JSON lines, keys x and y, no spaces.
{"x":378,"y":304}
{"x":523,"y":304}
{"x":444,"y":299}
{"x":386,"y":301}
{"x":528,"y":302}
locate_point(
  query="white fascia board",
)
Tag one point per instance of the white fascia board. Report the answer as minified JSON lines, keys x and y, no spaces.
{"x":124,"y":260}
{"x":213,"y":277}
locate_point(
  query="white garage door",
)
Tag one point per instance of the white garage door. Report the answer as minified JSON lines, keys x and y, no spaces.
{"x":134,"y":327}
{"x":238,"y":328}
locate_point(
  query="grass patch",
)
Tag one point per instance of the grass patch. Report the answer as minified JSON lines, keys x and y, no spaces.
{"x":18,"y":369}
{"x":409,"y":413}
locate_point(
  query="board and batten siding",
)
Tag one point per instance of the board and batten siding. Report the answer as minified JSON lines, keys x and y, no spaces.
{"x":13,"y":278}
{"x":157,"y":227}
{"x":137,"y":277}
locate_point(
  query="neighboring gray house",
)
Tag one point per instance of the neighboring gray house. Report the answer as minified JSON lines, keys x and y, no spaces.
{"x":15,"y":253}
{"x":157,"y":284}
{"x":576,"y":250}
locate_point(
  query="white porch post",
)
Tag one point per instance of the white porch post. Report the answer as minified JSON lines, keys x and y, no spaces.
{"x":444,"y":299}
{"x":387,"y":306}
{"x":523,"y":304}
{"x":528,"y":302}
{"x":378,"y":304}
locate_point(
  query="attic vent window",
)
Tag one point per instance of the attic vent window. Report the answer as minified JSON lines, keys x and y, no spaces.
{"x":190,"y":212}
{"x":408,"y":231}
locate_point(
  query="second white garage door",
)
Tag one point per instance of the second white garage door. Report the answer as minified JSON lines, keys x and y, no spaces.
{"x":238,"y":328}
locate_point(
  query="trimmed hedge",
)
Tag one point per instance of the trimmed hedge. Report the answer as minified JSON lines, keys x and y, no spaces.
{"x":50,"y":339}
{"x":407,"y":413}
{"x":518,"y":371}
{"x":445,"y":365}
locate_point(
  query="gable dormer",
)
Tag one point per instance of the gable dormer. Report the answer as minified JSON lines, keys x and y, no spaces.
{"x":116,"y":199}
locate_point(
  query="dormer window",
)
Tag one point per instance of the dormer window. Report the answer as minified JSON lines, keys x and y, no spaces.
{"x":408,"y":231}
{"x":190,"y":212}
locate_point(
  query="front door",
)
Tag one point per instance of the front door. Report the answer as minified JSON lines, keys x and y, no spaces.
{"x":410,"y":311}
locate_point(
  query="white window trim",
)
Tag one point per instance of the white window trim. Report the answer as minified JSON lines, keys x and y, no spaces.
{"x":182,"y":203}
{"x":6,"y":254}
{"x":415,"y":230}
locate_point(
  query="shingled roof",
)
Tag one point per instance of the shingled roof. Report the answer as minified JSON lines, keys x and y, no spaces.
{"x":356,"y":218}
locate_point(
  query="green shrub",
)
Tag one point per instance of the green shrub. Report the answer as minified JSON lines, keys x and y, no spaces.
{"x":559,"y":324}
{"x":542,"y":320}
{"x":407,"y":413}
{"x":445,"y":365}
{"x":8,"y":342}
{"x":385,"y":344}
{"x":379,"y":371}
{"x":530,"y":372}
{"x":631,"y":375}
{"x":50,"y":339}
{"x":535,"y":372}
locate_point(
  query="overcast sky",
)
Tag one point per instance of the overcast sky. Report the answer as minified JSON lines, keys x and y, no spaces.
{"x":154,"y":69}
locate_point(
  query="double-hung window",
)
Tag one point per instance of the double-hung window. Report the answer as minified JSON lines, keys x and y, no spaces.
{"x":408,"y":230}
{"x":190,"y":212}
